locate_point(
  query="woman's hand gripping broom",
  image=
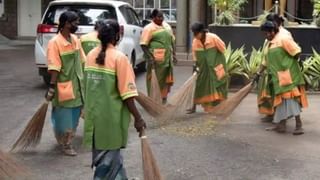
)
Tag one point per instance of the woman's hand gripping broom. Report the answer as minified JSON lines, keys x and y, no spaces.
{"x":32,"y":133}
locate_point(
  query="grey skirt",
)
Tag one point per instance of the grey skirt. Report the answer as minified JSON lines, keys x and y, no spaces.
{"x":287,"y":109}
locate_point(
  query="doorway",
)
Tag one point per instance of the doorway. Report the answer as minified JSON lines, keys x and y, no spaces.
{"x":29,"y":16}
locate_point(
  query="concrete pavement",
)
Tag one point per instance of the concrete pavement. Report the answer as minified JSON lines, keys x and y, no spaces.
{"x":194,"y":147}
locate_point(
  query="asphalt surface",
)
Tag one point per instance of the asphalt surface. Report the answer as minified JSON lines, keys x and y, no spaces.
{"x":194,"y":147}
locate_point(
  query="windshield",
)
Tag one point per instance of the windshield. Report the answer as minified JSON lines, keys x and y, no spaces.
{"x":88,"y":14}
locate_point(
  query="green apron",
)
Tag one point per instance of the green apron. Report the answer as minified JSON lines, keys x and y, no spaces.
{"x":106,"y":116}
{"x":71,"y":70}
{"x":208,"y":83}
{"x":161,"y":39}
{"x":265,"y":89}
{"x":88,"y":44}
{"x":278,"y":61}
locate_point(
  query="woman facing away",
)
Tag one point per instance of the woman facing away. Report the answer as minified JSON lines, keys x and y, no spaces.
{"x":109,"y":103}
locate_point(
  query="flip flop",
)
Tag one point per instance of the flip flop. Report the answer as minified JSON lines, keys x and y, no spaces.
{"x":298,"y":131}
{"x":276,"y":129}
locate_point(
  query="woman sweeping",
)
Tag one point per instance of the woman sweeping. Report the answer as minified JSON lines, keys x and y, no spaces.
{"x":210,"y":62}
{"x":109,"y":98}
{"x":65,"y":57}
{"x":282,"y":64}
{"x":157,"y":43}
{"x":265,"y":89}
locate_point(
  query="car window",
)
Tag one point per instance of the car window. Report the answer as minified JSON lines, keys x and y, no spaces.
{"x":88,"y":14}
{"x":130,"y":15}
{"x":134,"y":16}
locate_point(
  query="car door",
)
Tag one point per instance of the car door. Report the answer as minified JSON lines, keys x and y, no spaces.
{"x":134,"y":29}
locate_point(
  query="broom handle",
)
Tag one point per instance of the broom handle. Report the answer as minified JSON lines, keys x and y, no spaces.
{"x":142,"y":134}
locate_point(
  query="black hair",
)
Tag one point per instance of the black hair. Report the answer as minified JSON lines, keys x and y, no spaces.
{"x":98,"y":24}
{"x":275,"y":18}
{"x":154,"y":13}
{"x":198,"y":27}
{"x":269,"y":26}
{"x":67,"y":16}
{"x":107,"y":33}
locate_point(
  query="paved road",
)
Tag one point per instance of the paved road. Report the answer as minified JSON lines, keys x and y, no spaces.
{"x":194,"y":147}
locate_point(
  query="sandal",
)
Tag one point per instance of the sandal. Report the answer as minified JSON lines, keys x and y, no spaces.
{"x":68,"y":150}
{"x":267,"y":119}
{"x":277,"y":129}
{"x":191,"y":111}
{"x":298,"y":131}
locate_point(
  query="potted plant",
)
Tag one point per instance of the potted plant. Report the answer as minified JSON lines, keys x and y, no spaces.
{"x":316,"y":12}
{"x":226,"y":10}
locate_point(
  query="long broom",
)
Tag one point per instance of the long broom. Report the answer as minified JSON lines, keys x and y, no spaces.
{"x":10,"y":169}
{"x":225,"y":108}
{"x":183,"y":98}
{"x":31,"y":134}
{"x":155,"y":92}
{"x":150,"y":168}
{"x":152,"y":107}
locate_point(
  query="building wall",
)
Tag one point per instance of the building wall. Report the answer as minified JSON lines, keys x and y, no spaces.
{"x":9,"y":22}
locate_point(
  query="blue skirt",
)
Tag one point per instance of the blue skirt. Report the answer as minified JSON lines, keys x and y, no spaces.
{"x":65,"y":122}
{"x":108,"y":165}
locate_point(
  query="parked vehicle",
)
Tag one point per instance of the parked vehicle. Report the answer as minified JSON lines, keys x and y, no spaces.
{"x":89,"y":12}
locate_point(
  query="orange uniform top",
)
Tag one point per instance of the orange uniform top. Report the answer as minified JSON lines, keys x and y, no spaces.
{"x":117,"y":64}
{"x":212,"y":41}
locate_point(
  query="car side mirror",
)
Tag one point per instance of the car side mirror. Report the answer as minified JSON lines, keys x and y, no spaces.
{"x":145,"y":22}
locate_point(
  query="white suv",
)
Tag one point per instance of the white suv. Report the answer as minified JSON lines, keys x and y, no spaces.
{"x":89,"y":12}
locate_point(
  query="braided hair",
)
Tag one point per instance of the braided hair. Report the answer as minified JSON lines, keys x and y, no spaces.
{"x":98,"y":24}
{"x":67,"y":16}
{"x":108,"y":33}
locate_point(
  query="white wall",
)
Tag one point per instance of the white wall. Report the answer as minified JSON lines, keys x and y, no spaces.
{"x":1,"y":7}
{"x":29,"y":16}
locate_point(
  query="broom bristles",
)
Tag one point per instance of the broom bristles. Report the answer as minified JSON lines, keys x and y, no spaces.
{"x":225,"y":108}
{"x":10,"y":169}
{"x":151,"y":170}
{"x":31,"y":134}
{"x":183,"y":98}
{"x":153,"y":108}
{"x":155,"y":92}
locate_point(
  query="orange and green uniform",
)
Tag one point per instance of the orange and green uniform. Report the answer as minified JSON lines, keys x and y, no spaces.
{"x":265,"y":89}
{"x":107,"y":86}
{"x":107,"y":117}
{"x":286,"y":77}
{"x":159,"y":40}
{"x":66,"y":57}
{"x":89,"y":41}
{"x":211,"y":85}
